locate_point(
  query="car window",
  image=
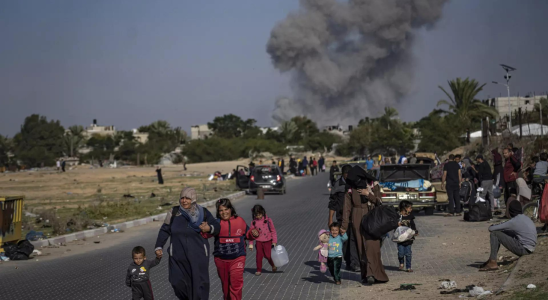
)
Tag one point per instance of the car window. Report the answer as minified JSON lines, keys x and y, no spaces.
{"x":265,"y":171}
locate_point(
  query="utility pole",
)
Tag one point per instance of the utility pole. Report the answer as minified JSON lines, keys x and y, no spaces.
{"x":540,"y":106}
{"x":508,"y":69}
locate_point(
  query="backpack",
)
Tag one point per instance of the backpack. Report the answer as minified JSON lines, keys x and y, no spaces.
{"x":465,"y":190}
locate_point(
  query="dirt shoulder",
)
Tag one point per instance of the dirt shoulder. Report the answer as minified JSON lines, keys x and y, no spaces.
{"x":452,"y":249}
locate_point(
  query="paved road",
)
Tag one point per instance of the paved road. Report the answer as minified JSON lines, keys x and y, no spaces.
{"x":298,"y":216}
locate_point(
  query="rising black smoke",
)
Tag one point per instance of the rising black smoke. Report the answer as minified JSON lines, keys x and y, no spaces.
{"x":349,"y":59}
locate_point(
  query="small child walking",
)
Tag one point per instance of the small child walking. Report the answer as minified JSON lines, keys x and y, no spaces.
{"x":334,"y":259}
{"x":138,"y":274}
{"x":404,"y":248}
{"x":267,"y":238}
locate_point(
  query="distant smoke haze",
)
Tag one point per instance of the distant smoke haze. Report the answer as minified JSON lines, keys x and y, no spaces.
{"x":348,"y":60}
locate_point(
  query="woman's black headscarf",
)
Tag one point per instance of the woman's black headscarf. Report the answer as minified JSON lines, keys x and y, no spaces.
{"x":358,"y":178}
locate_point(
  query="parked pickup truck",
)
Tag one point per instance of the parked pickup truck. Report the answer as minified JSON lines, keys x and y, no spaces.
{"x":426,"y":199}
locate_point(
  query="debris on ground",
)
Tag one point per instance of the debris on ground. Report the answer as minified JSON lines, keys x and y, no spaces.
{"x":447,"y":285}
{"x":97,"y":242}
{"x":128,"y":196}
{"x":21,"y":251}
{"x":531,"y":286}
{"x":479,"y":292}
{"x":35,"y":235}
{"x":458,"y":291}
{"x":37,"y":252}
{"x":152,"y":195}
{"x":407,"y":287}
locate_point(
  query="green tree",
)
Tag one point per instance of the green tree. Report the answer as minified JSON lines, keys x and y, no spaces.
{"x":543,"y":102}
{"x":288,"y":132}
{"x":437,"y":133}
{"x":159,"y":127}
{"x":73,"y":139}
{"x":231,"y":126}
{"x":322,"y":141}
{"x":213,"y":149}
{"x":6,"y":147}
{"x":39,"y":141}
{"x":464,"y":105}
{"x":305,"y":128}
{"x":102,"y":146}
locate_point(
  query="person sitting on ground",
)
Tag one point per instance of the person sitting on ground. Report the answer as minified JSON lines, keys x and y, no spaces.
{"x":518,"y":235}
{"x":541,"y":168}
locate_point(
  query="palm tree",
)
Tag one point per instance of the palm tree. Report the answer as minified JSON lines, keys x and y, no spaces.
{"x":463,"y":103}
{"x":389,"y":117}
{"x":74,"y":138}
{"x":160,"y":127}
{"x":288,"y":130}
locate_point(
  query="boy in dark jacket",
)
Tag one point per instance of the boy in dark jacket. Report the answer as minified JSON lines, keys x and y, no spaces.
{"x":404,"y":248}
{"x":138,"y":274}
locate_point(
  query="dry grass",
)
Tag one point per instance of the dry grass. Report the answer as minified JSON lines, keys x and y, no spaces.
{"x":85,"y":197}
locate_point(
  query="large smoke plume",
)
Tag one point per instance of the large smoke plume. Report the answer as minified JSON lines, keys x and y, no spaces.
{"x":348,"y":59}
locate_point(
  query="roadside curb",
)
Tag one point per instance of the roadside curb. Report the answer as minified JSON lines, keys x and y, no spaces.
{"x":120,"y":226}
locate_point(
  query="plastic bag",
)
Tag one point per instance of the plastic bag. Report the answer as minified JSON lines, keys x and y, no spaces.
{"x":379,"y":221}
{"x":279,"y":256}
{"x":402,"y":234}
{"x":496,"y":192}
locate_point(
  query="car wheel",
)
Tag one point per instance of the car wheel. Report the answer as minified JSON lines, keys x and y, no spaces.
{"x":428,"y":211}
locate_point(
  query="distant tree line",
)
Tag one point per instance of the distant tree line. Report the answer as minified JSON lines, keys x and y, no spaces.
{"x":41,"y":142}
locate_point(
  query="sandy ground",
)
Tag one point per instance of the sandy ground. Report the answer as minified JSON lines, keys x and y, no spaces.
{"x":463,"y":242}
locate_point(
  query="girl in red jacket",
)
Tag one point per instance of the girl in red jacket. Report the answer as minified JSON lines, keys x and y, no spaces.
{"x":266,"y":239}
{"x":229,"y":251}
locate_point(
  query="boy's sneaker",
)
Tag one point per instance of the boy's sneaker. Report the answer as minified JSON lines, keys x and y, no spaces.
{"x":274,"y":269}
{"x":257,"y":273}
{"x":409,"y":270}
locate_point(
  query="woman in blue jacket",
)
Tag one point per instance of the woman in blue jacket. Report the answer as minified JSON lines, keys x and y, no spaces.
{"x":188,"y":250}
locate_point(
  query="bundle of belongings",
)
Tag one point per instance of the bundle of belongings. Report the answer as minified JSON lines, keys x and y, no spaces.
{"x":480,"y":209}
{"x":381,"y":219}
{"x":417,"y":184}
{"x":21,"y":251}
{"x":402,"y":234}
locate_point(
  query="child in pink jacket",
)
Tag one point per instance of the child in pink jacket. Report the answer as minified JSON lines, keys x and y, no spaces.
{"x":267,"y":237}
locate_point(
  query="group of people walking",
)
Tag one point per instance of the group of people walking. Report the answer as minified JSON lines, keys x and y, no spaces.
{"x":188,"y":228}
{"x":347,"y":208}
{"x":303,"y":167}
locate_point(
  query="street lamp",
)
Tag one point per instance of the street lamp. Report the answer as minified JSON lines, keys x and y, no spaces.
{"x":508,"y":69}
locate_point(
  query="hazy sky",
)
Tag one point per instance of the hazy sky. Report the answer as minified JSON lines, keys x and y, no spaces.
{"x":129,"y":63}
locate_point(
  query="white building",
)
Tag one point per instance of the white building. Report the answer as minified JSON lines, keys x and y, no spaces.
{"x":100,"y":130}
{"x":504,"y":104}
{"x":199,"y":132}
{"x":264,"y":130}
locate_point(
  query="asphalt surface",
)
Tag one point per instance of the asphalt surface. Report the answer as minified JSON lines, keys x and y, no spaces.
{"x":297,"y":216}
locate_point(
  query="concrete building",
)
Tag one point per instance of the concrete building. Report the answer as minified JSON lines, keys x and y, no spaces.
{"x":199,"y":132}
{"x":100,"y":130}
{"x":504,"y":104}
{"x":141,"y":137}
